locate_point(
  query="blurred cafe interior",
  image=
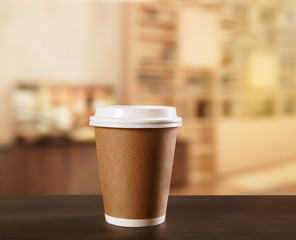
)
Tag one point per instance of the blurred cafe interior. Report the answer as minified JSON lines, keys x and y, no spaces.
{"x":228,"y":66}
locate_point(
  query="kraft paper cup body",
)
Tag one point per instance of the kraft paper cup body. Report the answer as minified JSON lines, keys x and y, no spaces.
{"x":136,"y":165}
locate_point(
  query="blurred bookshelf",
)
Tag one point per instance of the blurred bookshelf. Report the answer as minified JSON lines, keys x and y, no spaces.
{"x":254,"y":78}
{"x":56,"y":111}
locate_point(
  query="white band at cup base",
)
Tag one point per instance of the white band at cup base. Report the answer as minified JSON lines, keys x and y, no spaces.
{"x":123,"y":222}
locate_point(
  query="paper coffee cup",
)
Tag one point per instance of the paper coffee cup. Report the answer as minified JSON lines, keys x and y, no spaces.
{"x":135,"y":149}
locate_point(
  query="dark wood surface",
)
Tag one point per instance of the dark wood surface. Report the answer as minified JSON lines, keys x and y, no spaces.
{"x":190,"y":217}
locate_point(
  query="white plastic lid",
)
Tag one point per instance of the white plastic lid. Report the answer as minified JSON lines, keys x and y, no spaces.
{"x":124,"y":116}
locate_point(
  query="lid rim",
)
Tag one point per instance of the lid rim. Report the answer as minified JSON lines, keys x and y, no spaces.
{"x":135,"y":126}
{"x":135,"y":116}
{"x":136,"y":120}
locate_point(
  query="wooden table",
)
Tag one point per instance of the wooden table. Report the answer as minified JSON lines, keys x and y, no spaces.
{"x":190,"y":217}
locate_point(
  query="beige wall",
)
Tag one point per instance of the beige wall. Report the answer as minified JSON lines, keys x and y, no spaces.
{"x":246,"y":143}
{"x":61,"y":42}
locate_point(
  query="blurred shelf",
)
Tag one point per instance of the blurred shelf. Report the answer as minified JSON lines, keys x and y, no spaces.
{"x":223,"y":90}
{"x":158,"y":24}
{"x":161,"y":68}
{"x":157,"y":7}
{"x":165,"y":39}
{"x":201,"y":94}
{"x":156,"y":96}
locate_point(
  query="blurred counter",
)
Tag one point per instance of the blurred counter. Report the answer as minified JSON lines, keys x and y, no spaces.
{"x":62,"y":167}
{"x":49,"y":168}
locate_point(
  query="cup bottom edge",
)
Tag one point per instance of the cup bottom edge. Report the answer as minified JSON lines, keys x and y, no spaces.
{"x":123,"y":222}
